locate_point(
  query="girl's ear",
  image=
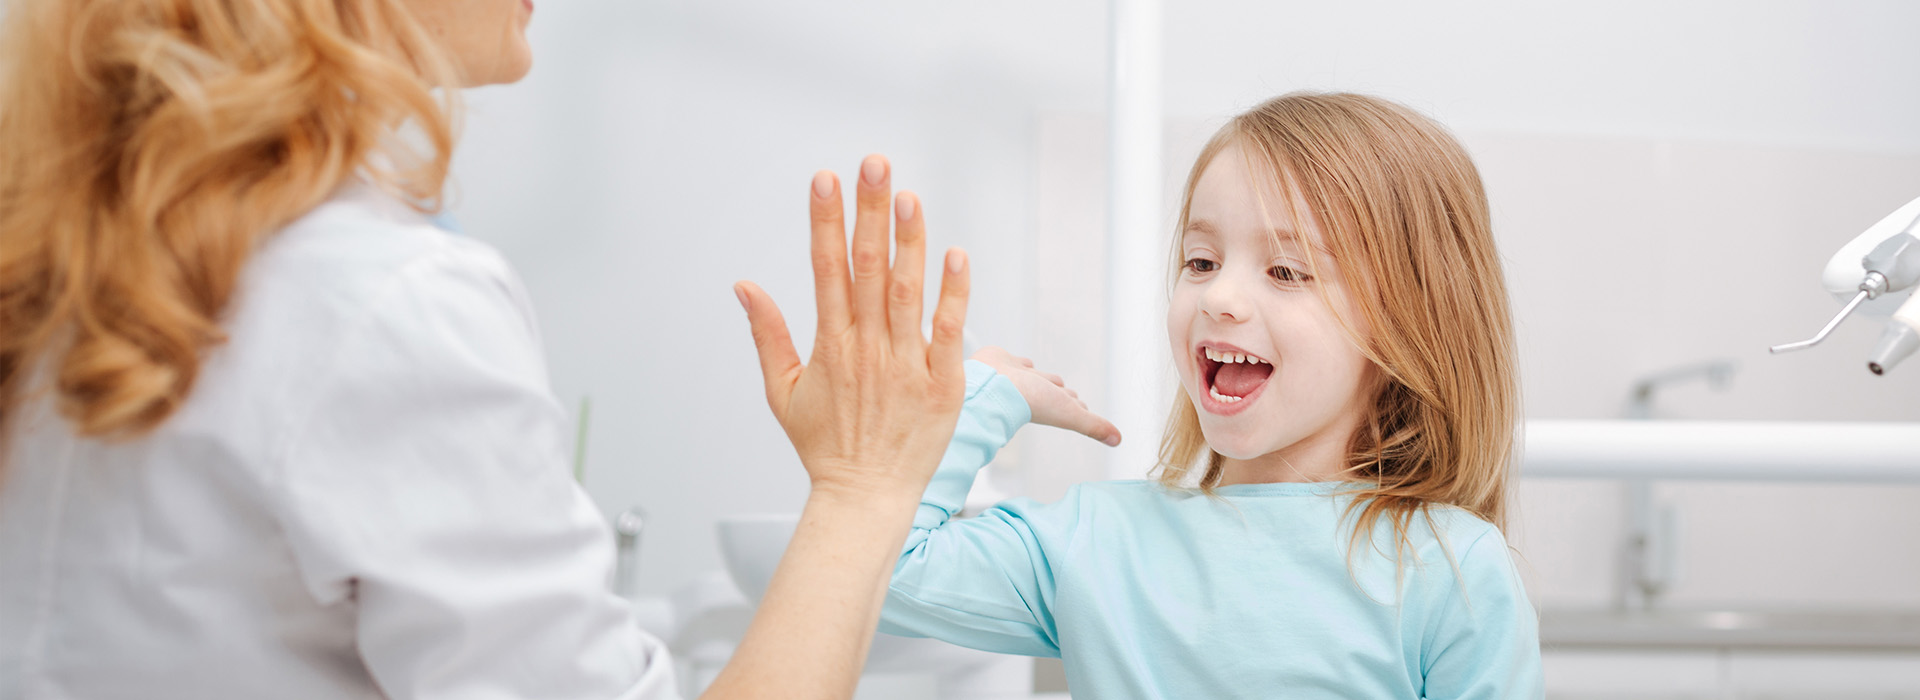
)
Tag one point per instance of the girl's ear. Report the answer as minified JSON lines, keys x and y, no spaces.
{"x":1375,"y":380}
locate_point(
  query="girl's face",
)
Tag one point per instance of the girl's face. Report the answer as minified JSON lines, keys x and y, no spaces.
{"x":486,"y":39}
{"x":1261,"y":356}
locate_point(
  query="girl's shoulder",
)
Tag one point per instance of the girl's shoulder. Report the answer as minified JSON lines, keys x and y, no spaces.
{"x":1457,"y":550}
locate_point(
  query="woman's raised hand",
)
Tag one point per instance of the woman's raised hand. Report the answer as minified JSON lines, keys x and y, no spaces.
{"x":1048,"y":397}
{"x":875,"y":404}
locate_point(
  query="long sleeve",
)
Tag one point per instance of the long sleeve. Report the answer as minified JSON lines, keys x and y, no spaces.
{"x":428,"y":487}
{"x":1485,"y":642}
{"x":993,"y":412}
{"x":984,"y":582}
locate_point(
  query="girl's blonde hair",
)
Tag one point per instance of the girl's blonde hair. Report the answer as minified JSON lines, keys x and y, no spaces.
{"x":146,"y":147}
{"x":1406,"y":222}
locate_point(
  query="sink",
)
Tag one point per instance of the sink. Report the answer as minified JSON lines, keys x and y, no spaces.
{"x":1753,"y":629}
{"x":751,"y":545}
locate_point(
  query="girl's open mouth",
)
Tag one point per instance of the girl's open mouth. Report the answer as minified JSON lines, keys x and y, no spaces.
{"x":1231,"y":377}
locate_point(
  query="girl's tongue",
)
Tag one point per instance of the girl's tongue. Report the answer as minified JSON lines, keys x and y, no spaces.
{"x":1241,"y":378}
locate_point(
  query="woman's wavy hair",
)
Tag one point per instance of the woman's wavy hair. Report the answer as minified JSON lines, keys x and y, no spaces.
{"x":1406,"y":220}
{"x":147,"y":146}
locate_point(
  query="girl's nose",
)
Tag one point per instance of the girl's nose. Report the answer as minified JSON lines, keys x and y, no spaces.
{"x":1223,"y":301}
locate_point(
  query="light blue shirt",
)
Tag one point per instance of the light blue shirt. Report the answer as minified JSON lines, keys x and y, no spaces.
{"x":1148,"y":592}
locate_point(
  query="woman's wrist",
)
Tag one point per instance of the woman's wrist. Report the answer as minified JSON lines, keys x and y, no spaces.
{"x":872,"y":493}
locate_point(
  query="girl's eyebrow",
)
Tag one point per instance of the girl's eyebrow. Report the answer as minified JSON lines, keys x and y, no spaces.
{"x":1288,"y":236}
{"x":1284,"y":235}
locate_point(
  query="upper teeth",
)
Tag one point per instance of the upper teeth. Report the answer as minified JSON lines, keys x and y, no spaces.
{"x":1231,"y":357}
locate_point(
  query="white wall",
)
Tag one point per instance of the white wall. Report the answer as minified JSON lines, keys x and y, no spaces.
{"x":1667,"y":177}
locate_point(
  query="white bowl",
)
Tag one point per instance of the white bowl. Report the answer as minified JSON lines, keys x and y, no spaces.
{"x":751,"y":546}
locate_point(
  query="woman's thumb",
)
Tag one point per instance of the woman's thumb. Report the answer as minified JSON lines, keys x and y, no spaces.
{"x":779,"y":362}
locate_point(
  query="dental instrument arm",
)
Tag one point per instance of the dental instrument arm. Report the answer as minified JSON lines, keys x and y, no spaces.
{"x":1900,"y":339}
{"x":1881,"y":265}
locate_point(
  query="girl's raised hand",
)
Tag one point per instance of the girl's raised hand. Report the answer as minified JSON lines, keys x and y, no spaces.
{"x":1048,"y":397}
{"x":874,"y":406}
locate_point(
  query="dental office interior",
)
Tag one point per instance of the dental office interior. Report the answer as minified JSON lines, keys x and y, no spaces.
{"x":1695,"y":516}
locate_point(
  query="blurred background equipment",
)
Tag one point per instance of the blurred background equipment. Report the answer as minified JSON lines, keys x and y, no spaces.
{"x":1663,"y":175}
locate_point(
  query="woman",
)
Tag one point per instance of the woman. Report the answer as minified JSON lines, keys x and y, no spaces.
{"x":269,"y":433}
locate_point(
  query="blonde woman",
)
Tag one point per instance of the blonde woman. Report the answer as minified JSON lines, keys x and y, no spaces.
{"x":1328,"y":521}
{"x":268,"y":433}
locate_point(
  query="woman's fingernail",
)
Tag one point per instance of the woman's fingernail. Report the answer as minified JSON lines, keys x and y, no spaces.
{"x":823,"y":184}
{"x":954,"y":263}
{"x":873,"y":170}
{"x":903,"y":206}
{"x":741,"y":294}
{"x":1113,"y":441}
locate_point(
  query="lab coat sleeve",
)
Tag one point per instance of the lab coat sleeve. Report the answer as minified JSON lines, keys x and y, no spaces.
{"x":428,"y":485}
{"x":984,"y":582}
{"x":1485,"y":644}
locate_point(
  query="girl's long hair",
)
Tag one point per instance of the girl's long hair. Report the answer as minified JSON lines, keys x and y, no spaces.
{"x":146,"y":147}
{"x":1405,"y":217}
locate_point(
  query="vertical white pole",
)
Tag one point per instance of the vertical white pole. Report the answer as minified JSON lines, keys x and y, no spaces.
{"x":1136,"y":297}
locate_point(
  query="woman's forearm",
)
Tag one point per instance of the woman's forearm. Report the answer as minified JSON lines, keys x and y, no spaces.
{"x":869,"y":414}
{"x":810,"y":636}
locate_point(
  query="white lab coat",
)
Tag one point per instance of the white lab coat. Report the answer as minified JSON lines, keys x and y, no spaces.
{"x":366,"y":495}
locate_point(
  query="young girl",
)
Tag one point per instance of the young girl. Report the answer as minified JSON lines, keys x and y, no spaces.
{"x":1333,"y":482}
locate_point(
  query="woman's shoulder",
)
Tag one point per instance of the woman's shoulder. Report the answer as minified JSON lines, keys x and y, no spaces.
{"x":361,"y":267}
{"x":356,"y":244}
{"x":361,"y":258}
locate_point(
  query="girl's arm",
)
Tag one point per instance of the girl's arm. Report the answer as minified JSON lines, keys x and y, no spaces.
{"x":987,"y":582}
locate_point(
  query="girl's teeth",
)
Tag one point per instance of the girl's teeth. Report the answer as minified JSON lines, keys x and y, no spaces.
{"x":1222,"y":398}
{"x":1231,"y":358}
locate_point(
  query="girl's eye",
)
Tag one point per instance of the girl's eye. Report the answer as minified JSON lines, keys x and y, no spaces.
{"x":1288,"y":274}
{"x":1201,"y":265}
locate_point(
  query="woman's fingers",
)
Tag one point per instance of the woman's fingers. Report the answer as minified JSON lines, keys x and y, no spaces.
{"x":905,"y":285}
{"x":944,"y":356}
{"x":870,"y":224}
{"x":779,"y":363}
{"x":832,"y":288}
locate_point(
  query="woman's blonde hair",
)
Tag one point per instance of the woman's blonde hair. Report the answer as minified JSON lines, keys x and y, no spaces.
{"x":146,"y":146}
{"x":1406,"y":222}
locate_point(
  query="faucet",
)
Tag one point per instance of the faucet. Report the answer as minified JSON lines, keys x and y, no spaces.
{"x":1647,"y":546}
{"x":627,"y":528}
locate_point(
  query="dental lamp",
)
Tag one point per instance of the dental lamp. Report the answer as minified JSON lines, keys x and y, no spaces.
{"x":1876,"y":272}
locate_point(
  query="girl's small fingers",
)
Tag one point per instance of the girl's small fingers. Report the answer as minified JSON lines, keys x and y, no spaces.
{"x":1055,"y":378}
{"x":1098,"y":428}
{"x":1024,"y":362}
